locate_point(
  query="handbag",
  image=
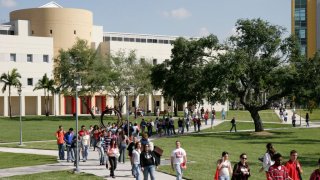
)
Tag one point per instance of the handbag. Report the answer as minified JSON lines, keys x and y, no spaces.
{"x":158,"y":150}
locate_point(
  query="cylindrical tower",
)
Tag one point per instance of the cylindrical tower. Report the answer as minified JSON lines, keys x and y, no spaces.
{"x":63,"y":24}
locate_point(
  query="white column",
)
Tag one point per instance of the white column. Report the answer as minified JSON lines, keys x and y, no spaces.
{"x":150,"y":103}
{"x":111,"y":102}
{"x":38,"y":105}
{"x":79,"y":105}
{"x":185,"y":105}
{"x":56,"y":105}
{"x":172,"y":106}
{"x":23,"y":103}
{"x":137,"y":101}
{"x":123,"y":110}
{"x":161,"y":103}
{"x":5,"y":105}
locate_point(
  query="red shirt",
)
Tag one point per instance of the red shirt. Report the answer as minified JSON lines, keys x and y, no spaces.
{"x":278,"y":173}
{"x":292,"y":170}
{"x":315,"y":175}
{"x":60,"y":137}
{"x":83,"y":132}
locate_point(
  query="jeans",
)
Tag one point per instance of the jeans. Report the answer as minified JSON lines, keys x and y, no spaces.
{"x":113,"y":165}
{"x":235,"y":128}
{"x":70,"y":153}
{"x":149,"y":170}
{"x":212,"y":121}
{"x":85,"y":152}
{"x":122,"y":156}
{"x":224,"y":177}
{"x":136,"y":171}
{"x":61,"y":151}
{"x":179,"y":171}
{"x":187,"y":127}
{"x":101,"y":155}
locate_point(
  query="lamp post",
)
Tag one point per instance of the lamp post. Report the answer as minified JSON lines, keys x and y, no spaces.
{"x":127,"y":109}
{"x":77,"y":170}
{"x":20,"y":108}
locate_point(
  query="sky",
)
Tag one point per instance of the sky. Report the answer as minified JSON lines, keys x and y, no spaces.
{"x":189,"y":18}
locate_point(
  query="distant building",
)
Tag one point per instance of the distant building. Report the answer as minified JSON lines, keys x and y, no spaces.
{"x":306,"y":24}
{"x":33,"y":37}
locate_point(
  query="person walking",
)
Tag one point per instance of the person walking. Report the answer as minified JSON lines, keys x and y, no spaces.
{"x":136,"y":169}
{"x":234,"y":125}
{"x":113,"y":154}
{"x":241,"y":170}
{"x":293,"y":118}
{"x":268,"y":158}
{"x":84,"y":136}
{"x":213,"y":116}
{"x":60,"y":142}
{"x":307,"y":119}
{"x":224,"y":167}
{"x":122,"y":141}
{"x":278,"y":171}
{"x":294,"y":166}
{"x":316,"y":173}
{"x":178,"y":160}
{"x":68,"y":137}
{"x":148,"y":162}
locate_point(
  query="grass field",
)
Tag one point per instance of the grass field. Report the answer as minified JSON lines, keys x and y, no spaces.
{"x":9,"y":160}
{"x":204,"y":150}
{"x":57,"y":175}
{"x":314,"y":116}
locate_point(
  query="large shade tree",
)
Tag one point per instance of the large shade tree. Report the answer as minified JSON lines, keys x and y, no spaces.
{"x":255,"y":67}
{"x":74,"y":68}
{"x":10,"y":79}
{"x":180,"y":78}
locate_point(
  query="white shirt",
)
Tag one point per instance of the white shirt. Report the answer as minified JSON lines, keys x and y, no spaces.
{"x":224,"y":171}
{"x":177,"y":155}
{"x":267,"y":162}
{"x":136,"y":156}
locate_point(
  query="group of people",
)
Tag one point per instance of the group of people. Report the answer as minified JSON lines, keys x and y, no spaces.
{"x":111,"y":144}
{"x":271,"y":164}
{"x":284,"y":117}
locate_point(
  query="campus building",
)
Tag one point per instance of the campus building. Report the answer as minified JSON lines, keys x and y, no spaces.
{"x":33,"y":37}
{"x":305,"y":23}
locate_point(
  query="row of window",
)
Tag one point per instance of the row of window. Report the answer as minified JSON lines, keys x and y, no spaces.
{"x":13,"y":57}
{"x":51,"y":32}
{"x":7,"y":32}
{"x":140,"y":40}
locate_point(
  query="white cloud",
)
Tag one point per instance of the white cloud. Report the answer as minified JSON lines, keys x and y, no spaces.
{"x":180,"y":13}
{"x":203,"y":32}
{"x":8,"y":3}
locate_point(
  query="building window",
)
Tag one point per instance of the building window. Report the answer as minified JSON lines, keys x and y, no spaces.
{"x":166,"y":42}
{"x":133,"y":104}
{"x":13,"y":57}
{"x":30,"y":81}
{"x":32,"y":32}
{"x":169,"y":103}
{"x":149,"y":40}
{"x":143,"y":40}
{"x":50,"y":31}
{"x":74,"y":32}
{"x":126,"y":39}
{"x":106,"y":38}
{"x":29,"y":58}
{"x":11,"y":32}
{"x":138,"y":40}
{"x":158,"y":103}
{"x":154,"y":62}
{"x":46,"y":58}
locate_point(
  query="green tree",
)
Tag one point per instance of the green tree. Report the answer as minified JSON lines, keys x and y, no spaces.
{"x":254,"y":67}
{"x":10,"y":79}
{"x":48,"y":86}
{"x":74,"y":67}
{"x":180,"y":78}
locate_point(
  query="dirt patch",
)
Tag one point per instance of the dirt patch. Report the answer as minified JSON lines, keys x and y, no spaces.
{"x":262,"y":133}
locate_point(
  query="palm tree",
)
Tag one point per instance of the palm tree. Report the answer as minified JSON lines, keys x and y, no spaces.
{"x":47,"y":85}
{"x":10,"y":79}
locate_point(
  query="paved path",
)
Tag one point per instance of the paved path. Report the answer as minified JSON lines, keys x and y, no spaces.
{"x":300,"y":120}
{"x":123,"y":171}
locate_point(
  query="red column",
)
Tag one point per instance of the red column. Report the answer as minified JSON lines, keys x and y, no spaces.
{"x":73,"y":103}
{"x":103,"y":103}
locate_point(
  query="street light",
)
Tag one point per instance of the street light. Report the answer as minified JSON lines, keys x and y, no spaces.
{"x":77,"y":170}
{"x":127,"y":107}
{"x":20,"y":108}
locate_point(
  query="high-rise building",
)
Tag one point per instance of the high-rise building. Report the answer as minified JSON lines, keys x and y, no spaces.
{"x":305,"y":25}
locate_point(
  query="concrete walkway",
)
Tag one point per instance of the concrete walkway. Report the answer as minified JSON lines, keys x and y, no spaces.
{"x":300,"y":121}
{"x":91,"y":166}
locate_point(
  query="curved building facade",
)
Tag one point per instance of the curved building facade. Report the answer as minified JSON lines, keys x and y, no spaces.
{"x":63,"y":24}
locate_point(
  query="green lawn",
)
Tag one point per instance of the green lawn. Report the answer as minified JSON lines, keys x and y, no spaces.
{"x":36,"y":128}
{"x":314,"y":116}
{"x":57,"y":175}
{"x":225,"y":126}
{"x":204,"y":150}
{"x":10,"y":160}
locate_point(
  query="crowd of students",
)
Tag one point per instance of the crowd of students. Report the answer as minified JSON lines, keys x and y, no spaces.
{"x":271,"y":164}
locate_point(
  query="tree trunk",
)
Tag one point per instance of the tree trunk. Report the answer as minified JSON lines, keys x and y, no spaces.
{"x":258,"y":126}
{"x":10,"y":102}
{"x":175,"y":109}
{"x":87,"y":107}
